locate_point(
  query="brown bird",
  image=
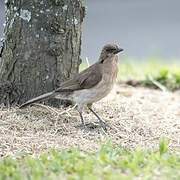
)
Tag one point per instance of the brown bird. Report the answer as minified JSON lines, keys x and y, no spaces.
{"x":90,"y":85}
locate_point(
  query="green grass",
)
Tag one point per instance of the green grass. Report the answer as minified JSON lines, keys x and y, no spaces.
{"x":109,"y":162}
{"x":166,"y":73}
{"x":140,"y":68}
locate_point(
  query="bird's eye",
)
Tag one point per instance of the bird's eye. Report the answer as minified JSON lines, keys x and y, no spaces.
{"x":110,"y":50}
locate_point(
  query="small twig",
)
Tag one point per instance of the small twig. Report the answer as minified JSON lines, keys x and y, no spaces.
{"x":55,"y":111}
{"x":87,"y":61}
{"x":46,"y":107}
{"x":157,"y":84}
{"x":66,"y":111}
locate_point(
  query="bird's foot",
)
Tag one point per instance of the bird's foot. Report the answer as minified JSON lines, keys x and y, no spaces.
{"x":90,"y":125}
{"x":93,"y":126}
{"x":101,"y":122}
{"x":103,"y":125}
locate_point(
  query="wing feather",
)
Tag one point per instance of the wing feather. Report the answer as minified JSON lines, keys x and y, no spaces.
{"x":84,"y":80}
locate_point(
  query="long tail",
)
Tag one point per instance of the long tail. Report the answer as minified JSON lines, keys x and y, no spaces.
{"x":39,"y":98}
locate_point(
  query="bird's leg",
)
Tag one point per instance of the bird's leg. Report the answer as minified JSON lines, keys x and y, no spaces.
{"x":103,"y":124}
{"x":82,"y":119}
{"x":81,"y":116}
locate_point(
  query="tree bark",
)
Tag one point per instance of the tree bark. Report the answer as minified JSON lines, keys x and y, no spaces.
{"x":41,"y":49}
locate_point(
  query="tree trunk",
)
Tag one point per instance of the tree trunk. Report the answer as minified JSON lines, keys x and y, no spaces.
{"x":41,"y":49}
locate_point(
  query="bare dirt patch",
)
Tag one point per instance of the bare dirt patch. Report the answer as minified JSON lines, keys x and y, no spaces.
{"x":137,"y":117}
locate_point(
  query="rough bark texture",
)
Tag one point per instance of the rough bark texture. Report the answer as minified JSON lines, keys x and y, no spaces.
{"x":42,"y":47}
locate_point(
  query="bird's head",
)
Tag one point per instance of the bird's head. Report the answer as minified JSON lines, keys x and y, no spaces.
{"x":109,"y":50}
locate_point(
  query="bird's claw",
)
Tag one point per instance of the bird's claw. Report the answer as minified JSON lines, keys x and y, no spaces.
{"x":95,"y":125}
{"x":103,"y":125}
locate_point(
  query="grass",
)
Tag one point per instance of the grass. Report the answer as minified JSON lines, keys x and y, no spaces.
{"x":149,"y":69}
{"x":109,"y":162}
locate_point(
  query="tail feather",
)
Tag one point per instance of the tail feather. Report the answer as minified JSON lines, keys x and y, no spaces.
{"x":39,"y":98}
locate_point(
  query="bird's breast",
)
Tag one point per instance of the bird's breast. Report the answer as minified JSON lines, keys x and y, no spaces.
{"x":110,"y":71}
{"x":87,"y":96}
{"x":100,"y":90}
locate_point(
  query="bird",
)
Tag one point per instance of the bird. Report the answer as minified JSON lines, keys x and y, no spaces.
{"x":90,"y":85}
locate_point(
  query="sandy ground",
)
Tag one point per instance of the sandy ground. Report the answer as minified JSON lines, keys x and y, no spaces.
{"x":136,"y":117}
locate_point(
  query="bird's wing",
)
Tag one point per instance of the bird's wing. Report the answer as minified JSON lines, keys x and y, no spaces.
{"x":84,"y":80}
